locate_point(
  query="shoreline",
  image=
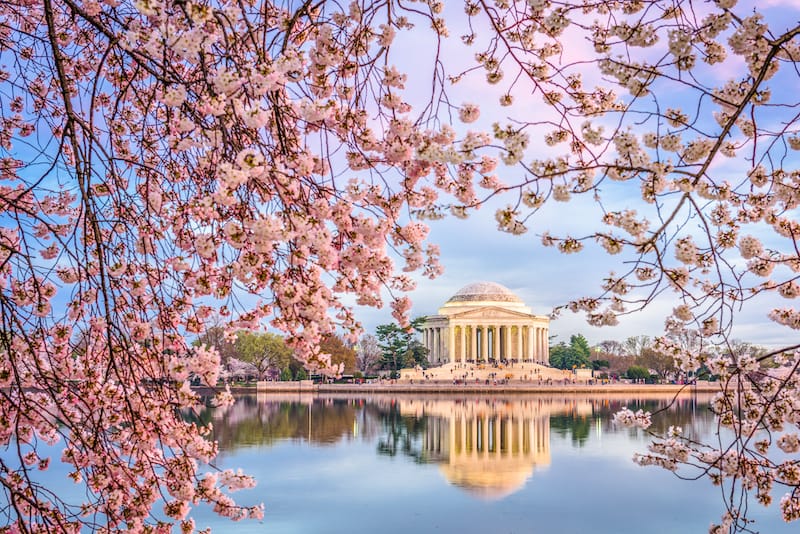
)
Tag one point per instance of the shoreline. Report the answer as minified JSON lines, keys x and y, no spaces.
{"x":499,"y":389}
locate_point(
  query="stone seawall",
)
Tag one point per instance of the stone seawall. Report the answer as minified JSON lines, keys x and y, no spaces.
{"x":439,"y":388}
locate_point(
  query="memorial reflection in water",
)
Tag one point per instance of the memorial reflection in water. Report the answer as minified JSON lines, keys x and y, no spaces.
{"x":489,"y":447}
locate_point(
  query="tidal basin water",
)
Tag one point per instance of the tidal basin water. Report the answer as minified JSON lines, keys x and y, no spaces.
{"x":462,"y":464}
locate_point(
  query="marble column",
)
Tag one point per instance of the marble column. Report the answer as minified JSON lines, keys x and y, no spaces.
{"x":473,"y":332}
{"x":530,"y":343}
{"x":463,"y":348}
{"x":432,"y":345}
{"x":484,"y":343}
{"x":540,"y":345}
{"x":451,"y":339}
{"x":518,"y":354}
{"x":507,"y":352}
{"x":526,"y":342}
{"x":444,"y":338}
{"x":496,"y":342}
{"x":429,"y":340}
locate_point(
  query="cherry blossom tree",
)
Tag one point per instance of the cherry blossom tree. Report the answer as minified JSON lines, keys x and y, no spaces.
{"x":237,"y":369}
{"x":161,"y":161}
{"x":166,"y":160}
{"x":368,"y":354}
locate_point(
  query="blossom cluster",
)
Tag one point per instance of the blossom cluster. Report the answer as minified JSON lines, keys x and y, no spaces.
{"x":628,"y":418}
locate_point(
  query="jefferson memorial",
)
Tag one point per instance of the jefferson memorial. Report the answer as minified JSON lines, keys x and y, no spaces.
{"x":486,"y":322}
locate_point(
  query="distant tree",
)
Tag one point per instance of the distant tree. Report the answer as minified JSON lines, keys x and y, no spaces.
{"x":580,"y":347}
{"x":368,"y":353}
{"x":637,"y":372}
{"x":398,"y":347}
{"x":393,"y":344}
{"x":263,"y":350}
{"x":214,"y":337}
{"x":634,"y":345}
{"x":688,"y":340}
{"x":662,"y":364}
{"x":559,"y":354}
{"x":600,"y":364}
{"x":576,"y":354}
{"x":239,"y":370}
{"x":417,"y":354}
{"x":340,"y":353}
{"x":610,"y":347}
{"x":614,"y":353}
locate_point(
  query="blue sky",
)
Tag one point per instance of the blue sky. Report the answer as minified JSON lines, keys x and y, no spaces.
{"x":473,"y":250}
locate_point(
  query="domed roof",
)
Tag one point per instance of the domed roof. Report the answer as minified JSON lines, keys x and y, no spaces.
{"x":486,"y":292}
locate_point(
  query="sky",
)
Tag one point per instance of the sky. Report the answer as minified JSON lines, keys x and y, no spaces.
{"x":474,"y":250}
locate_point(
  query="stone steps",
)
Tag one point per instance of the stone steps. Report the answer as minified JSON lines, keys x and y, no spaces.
{"x":517,"y":372}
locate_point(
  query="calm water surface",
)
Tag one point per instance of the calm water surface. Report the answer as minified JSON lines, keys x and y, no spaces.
{"x":462,"y":464}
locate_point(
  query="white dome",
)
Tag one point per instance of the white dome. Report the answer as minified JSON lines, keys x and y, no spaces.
{"x":484,"y":292}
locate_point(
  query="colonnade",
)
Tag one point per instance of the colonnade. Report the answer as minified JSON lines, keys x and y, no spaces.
{"x":435,"y":340}
{"x":462,"y":342}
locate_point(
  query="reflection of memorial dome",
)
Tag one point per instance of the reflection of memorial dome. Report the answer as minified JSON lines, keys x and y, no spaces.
{"x":484,"y":292}
{"x":489,"y":480}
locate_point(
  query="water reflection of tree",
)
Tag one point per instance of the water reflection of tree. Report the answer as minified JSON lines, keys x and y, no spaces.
{"x":250,"y":422}
{"x":255,"y":422}
{"x":687,"y":412}
{"x":692,"y":415}
{"x":401,"y":433}
{"x":570,"y":425}
{"x":324,"y":421}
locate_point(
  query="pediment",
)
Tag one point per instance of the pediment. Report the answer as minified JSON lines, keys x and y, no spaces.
{"x":491,"y":312}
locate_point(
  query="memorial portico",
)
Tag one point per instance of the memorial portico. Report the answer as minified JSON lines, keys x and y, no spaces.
{"x":485,"y":322}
